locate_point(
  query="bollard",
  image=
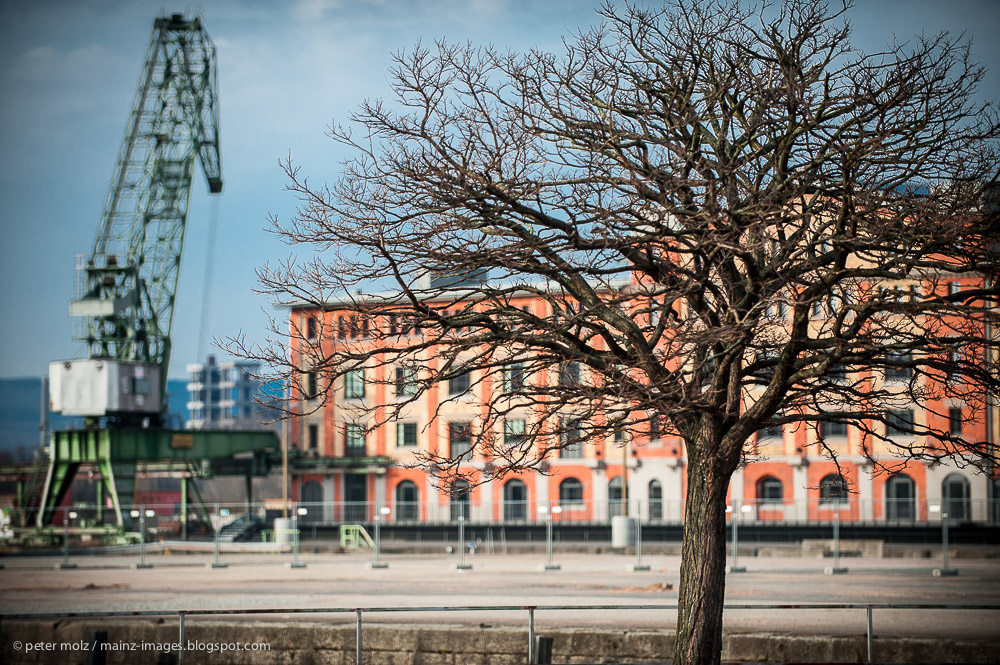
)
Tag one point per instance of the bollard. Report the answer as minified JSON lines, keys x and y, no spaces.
{"x":96,"y":651}
{"x":543,"y":652}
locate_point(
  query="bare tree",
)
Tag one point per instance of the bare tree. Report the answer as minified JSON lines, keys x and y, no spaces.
{"x":735,"y":220}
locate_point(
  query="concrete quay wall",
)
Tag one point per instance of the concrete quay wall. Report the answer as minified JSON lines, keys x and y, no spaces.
{"x":317,"y":643}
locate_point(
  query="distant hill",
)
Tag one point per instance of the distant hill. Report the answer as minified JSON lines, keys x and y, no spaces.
{"x":20,"y":411}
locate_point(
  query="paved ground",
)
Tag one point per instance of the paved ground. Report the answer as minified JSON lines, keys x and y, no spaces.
{"x":181,"y":581}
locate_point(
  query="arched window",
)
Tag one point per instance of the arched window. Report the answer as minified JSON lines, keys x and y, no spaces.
{"x":459,"y":499}
{"x":312,"y":501}
{"x":615,"y":506}
{"x":900,"y":497}
{"x":515,"y":500}
{"x":655,"y":492}
{"x":571,"y":493}
{"x":833,"y":489}
{"x":407,"y":502}
{"x":770,"y":490}
{"x":955,"y":493}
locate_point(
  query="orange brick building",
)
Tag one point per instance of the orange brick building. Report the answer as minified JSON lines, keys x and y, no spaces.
{"x":787,"y":477}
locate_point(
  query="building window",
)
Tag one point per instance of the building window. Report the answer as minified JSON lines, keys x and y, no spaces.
{"x":513,"y":377}
{"x":773,"y":431}
{"x":514,"y":433}
{"x":341,"y":327}
{"x":955,"y":421}
{"x":569,"y":373}
{"x":459,"y":385}
{"x":571,"y":493}
{"x":770,"y":490}
{"x":654,"y":427}
{"x":833,"y":489}
{"x":459,"y":439}
{"x":616,"y":503}
{"x":311,"y":328}
{"x":515,"y":500}
{"x":407,"y":502}
{"x":954,"y":364}
{"x":406,"y":381}
{"x":571,"y":436}
{"x":828,"y":429}
{"x":955,"y":497}
{"x":312,"y":501}
{"x":898,"y":366}
{"x":837,"y":372}
{"x":312,"y":385}
{"x":313,"y":437}
{"x":899,"y":421}
{"x":900,"y":498}
{"x":354,"y":384}
{"x":655,"y":491}
{"x":406,"y":435}
{"x":354,"y":440}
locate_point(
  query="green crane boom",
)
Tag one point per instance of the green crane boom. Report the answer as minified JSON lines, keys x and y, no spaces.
{"x":127,"y":287}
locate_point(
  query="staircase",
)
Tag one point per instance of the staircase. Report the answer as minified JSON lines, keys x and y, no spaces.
{"x":34,"y":488}
{"x":240,"y":529}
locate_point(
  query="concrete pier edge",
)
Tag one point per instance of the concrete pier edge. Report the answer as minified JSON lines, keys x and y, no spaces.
{"x":435,"y":644}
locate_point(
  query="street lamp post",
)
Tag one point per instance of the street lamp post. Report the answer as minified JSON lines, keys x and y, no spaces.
{"x":461,"y":565}
{"x":220,"y":513}
{"x":836,"y":568}
{"x":142,"y":513}
{"x":379,"y":514}
{"x":549,"y":512}
{"x":67,"y":516}
{"x":295,"y":563}
{"x":736,"y":567}
{"x":638,"y":566}
{"x":944,"y":570}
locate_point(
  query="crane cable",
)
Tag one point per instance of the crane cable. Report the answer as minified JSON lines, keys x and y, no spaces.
{"x":206,"y":301}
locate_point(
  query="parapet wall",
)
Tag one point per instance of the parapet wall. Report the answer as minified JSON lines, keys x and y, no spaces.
{"x":325,"y":643}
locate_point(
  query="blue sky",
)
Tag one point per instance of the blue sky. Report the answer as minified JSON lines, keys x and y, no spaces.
{"x":68,"y":71}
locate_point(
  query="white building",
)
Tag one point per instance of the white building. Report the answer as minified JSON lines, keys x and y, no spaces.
{"x":223,"y":396}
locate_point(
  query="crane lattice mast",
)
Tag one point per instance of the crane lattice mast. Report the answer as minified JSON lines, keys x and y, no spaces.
{"x":127,"y":286}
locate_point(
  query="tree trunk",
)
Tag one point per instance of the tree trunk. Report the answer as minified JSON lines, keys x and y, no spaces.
{"x":703,"y":566}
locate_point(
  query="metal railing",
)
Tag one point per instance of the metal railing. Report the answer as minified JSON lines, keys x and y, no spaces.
{"x":531,"y":610}
{"x":787,"y":512}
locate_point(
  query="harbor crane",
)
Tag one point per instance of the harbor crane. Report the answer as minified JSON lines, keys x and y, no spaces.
{"x":127,"y":287}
